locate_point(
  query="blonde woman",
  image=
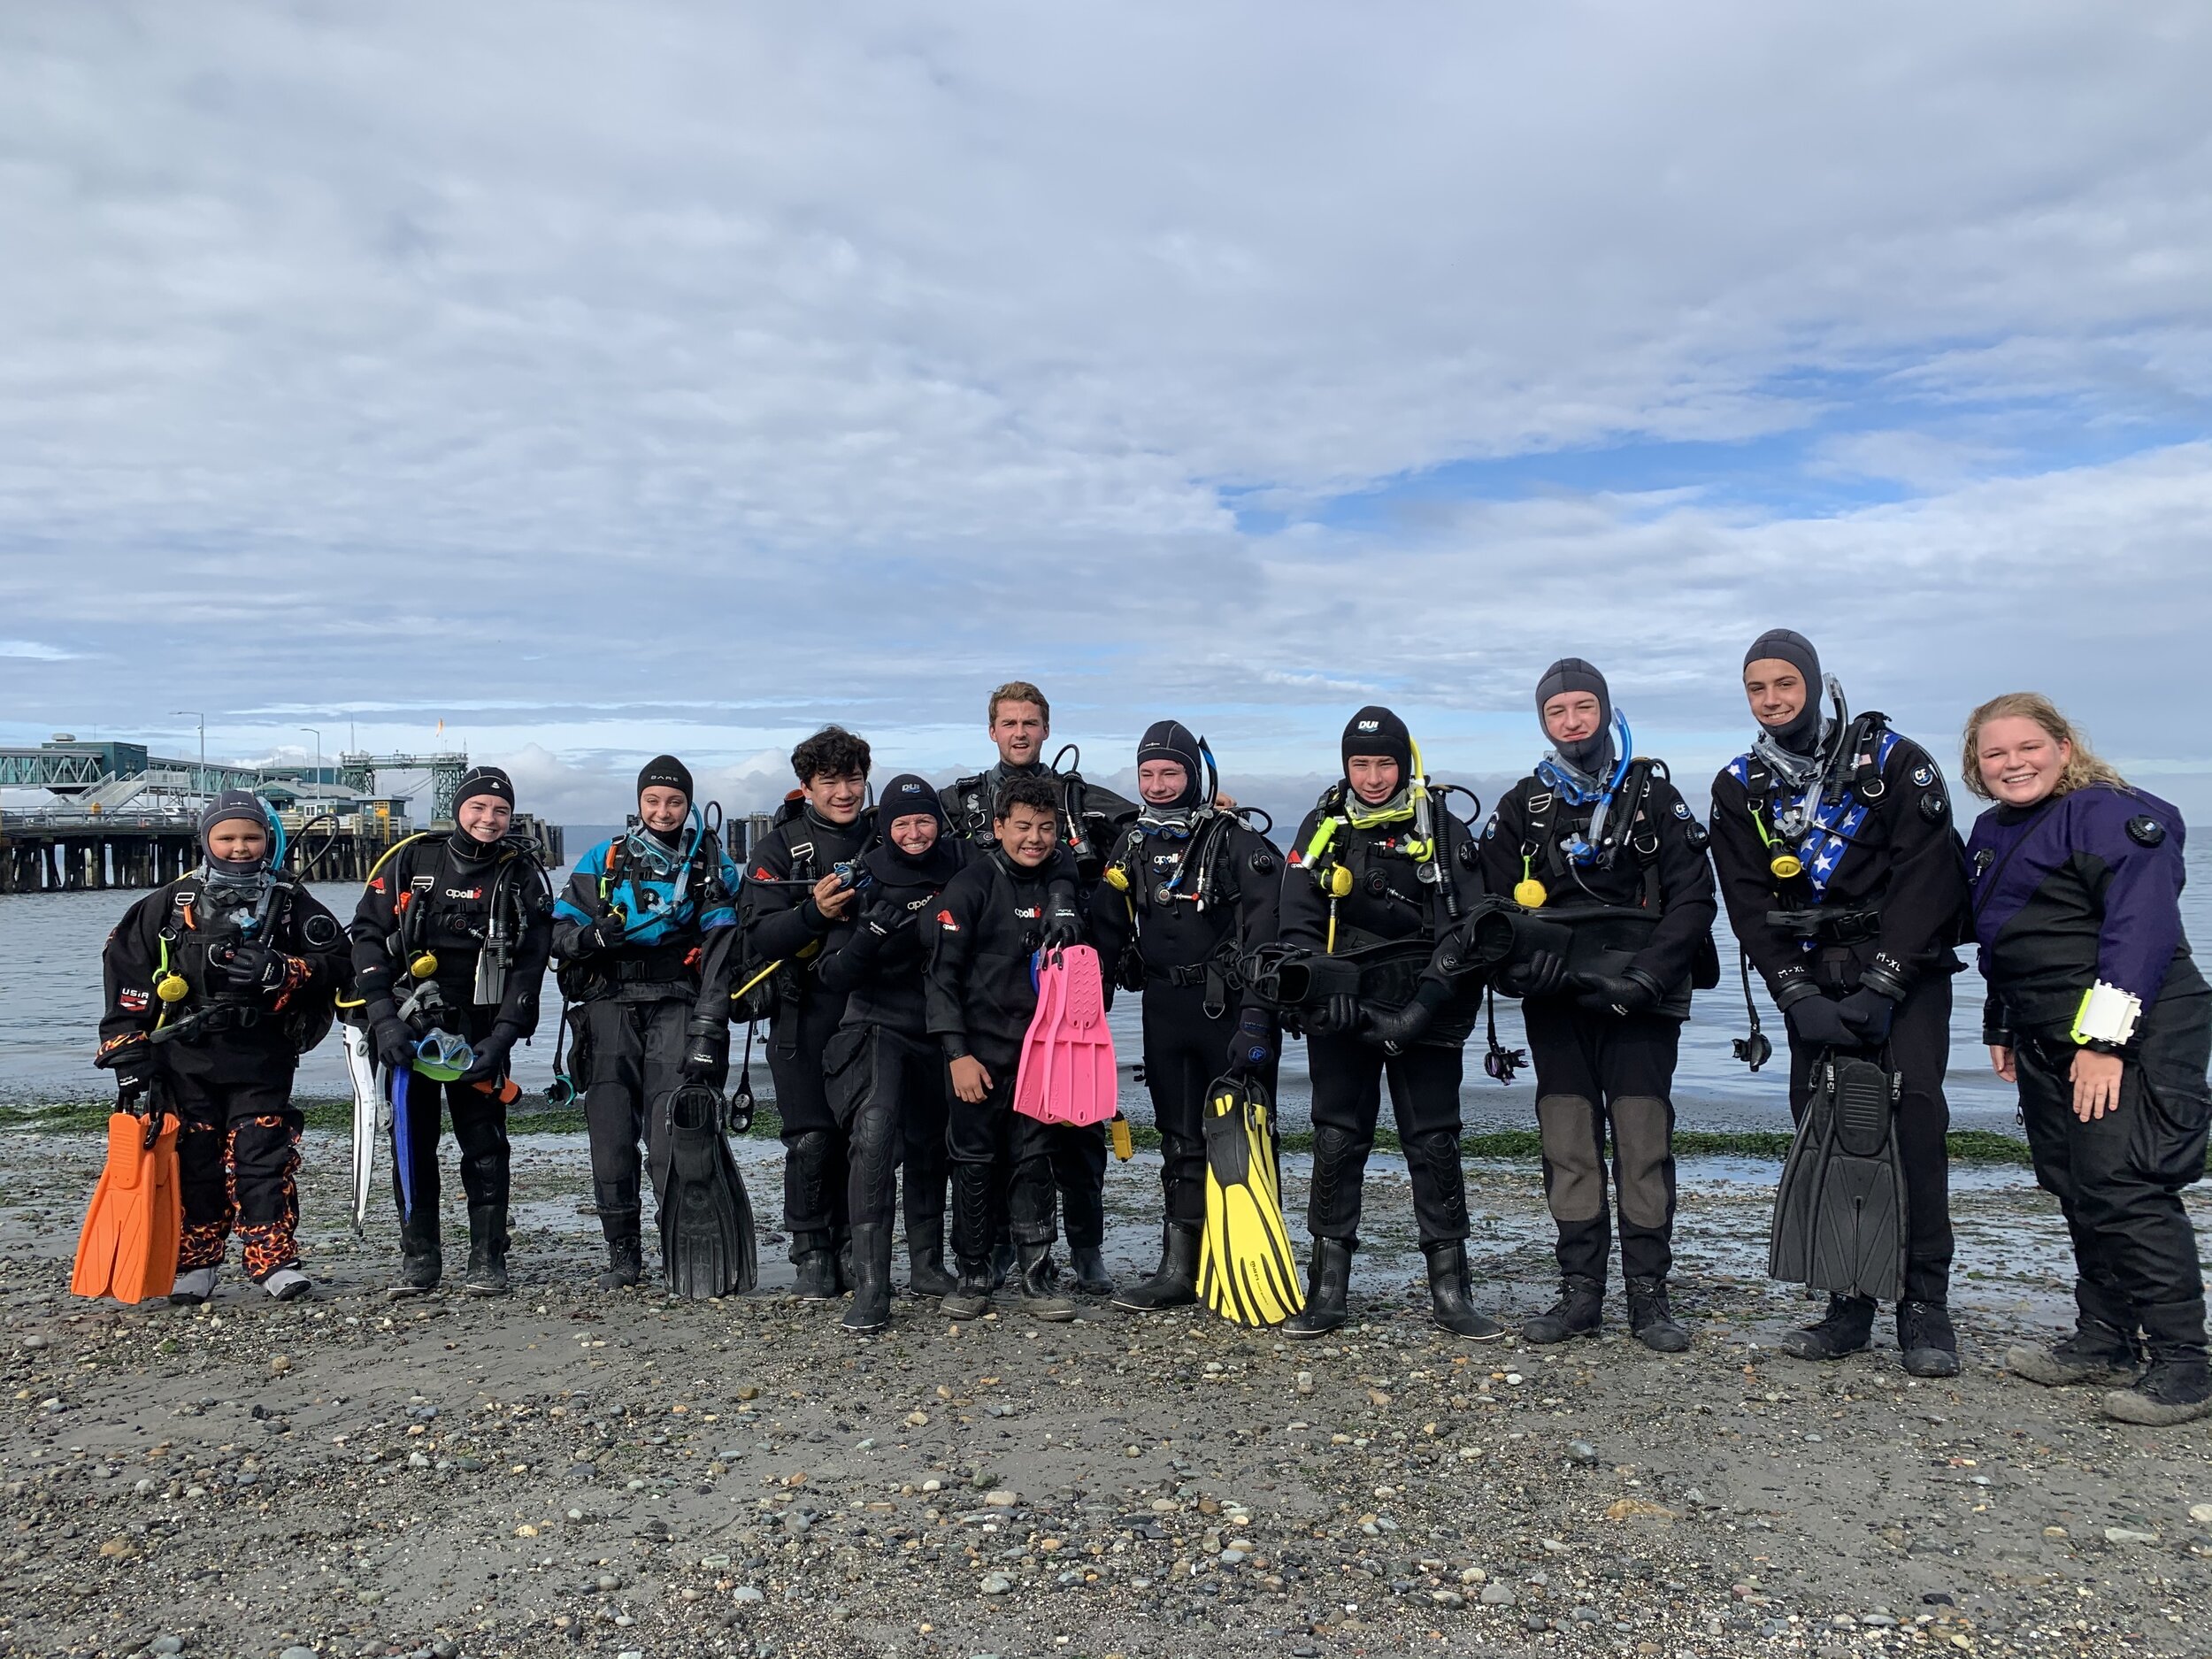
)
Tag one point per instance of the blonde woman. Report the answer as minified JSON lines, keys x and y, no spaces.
{"x":2098,"y":1014}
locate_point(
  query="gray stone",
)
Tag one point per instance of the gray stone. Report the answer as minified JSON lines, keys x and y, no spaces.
{"x":1497,"y":1595}
{"x":997,"y":1584}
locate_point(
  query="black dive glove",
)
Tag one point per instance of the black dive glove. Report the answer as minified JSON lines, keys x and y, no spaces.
{"x":132,"y":1065}
{"x":1340,"y":1015}
{"x":1631,"y":991}
{"x":1064,"y":919}
{"x":249,"y":967}
{"x":1252,"y":1044}
{"x":394,"y":1043}
{"x":606,"y":934}
{"x":1397,"y":1028}
{"x":1867,"y":1012}
{"x":1543,"y":973}
{"x":707,"y":1052}
{"x":491,"y":1056}
{"x":1818,"y":1022}
{"x":878,"y":923}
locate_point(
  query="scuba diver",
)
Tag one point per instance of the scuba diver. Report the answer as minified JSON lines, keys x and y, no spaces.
{"x":1189,"y":889}
{"x":980,"y":992}
{"x":1599,"y":841}
{"x":630,"y":932}
{"x":797,"y":905}
{"x":1381,"y":874}
{"x":216,"y":984}
{"x":887,"y":1075}
{"x":2098,"y":1012}
{"x":457,"y":930}
{"x":1019,"y":721}
{"x":1833,"y":843}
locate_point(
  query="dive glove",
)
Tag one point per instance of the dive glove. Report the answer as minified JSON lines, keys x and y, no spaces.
{"x":1631,"y":991}
{"x":706,"y":1052}
{"x":1252,"y":1044}
{"x":1868,"y":1012}
{"x":1063,"y":921}
{"x":1819,"y":1022}
{"x":878,"y":923}
{"x":395,"y":1043}
{"x":606,"y":934}
{"x":1539,"y":976}
{"x":1340,"y":1015}
{"x":491,"y":1055}
{"x":1397,"y":1028}
{"x":249,"y":967}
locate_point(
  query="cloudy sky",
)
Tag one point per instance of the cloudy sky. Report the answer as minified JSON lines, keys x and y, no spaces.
{"x":604,"y":379}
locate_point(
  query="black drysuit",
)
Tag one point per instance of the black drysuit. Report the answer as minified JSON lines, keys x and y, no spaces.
{"x":223,"y":1058}
{"x":887,"y":1080}
{"x":980,"y":995}
{"x":1883,"y":890}
{"x":781,"y":922}
{"x":1194,"y":905}
{"x":1599,"y":1071}
{"x":1389,"y":904}
{"x":456,"y":898}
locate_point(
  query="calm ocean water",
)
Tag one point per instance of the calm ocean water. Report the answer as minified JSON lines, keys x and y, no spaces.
{"x":50,"y":999}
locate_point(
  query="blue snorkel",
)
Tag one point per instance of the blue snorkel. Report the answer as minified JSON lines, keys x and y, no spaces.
{"x":1574,"y":788}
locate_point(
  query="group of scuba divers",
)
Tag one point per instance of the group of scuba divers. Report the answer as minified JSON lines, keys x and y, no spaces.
{"x":895,"y":954}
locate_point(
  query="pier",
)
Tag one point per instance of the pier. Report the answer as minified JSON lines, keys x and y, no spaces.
{"x":127,"y":818}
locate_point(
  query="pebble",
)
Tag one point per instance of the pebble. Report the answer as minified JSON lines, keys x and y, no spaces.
{"x":1582,"y":1451}
{"x":747,"y":1593}
{"x":297,"y":1652}
{"x":165,"y":1646}
{"x":1001,"y":1498}
{"x":997,"y":1584}
{"x":1447,"y":1598}
{"x":609,"y":1582}
{"x":1497,"y":1595}
{"x":631,"y":1653}
{"x":2128,"y":1535}
{"x":2202,"y":1514}
{"x":33,"y":1342}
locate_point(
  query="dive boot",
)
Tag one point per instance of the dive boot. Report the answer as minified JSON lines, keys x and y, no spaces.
{"x":286,"y":1283}
{"x":194,"y":1286}
{"x":1002,"y":1260}
{"x":970,"y":1298}
{"x":625,"y":1260}
{"x":1328,"y":1283}
{"x":421,"y":1257}
{"x":1040,"y":1300}
{"x":1925,"y":1342}
{"x":848,"y":1269}
{"x":926,"y":1274}
{"x":1580,"y":1311}
{"x":1451,"y":1295}
{"x":815,"y":1276}
{"x":487,"y":1274}
{"x":1176,"y":1284}
{"x":871,"y":1279}
{"x":2177,"y":1388}
{"x":1088,"y":1264}
{"x":1846,"y":1328}
{"x":1651,"y":1320}
{"x":2095,"y":1353}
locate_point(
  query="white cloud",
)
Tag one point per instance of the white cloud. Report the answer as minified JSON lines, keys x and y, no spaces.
{"x":679,"y":376}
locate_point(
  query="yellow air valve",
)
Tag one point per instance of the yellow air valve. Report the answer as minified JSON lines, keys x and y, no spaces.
{"x":1338,"y":884}
{"x":423,"y":966}
{"x":1786,"y":864}
{"x":1530,"y":894}
{"x":170,"y":987}
{"x":1117,"y":877}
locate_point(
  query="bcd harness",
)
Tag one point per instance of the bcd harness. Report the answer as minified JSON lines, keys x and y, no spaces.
{"x":200,"y":932}
{"x":1807,"y":834}
{"x":1198,"y":881}
{"x":1418,"y":809}
{"x":415,"y":906}
{"x":1635,"y":832}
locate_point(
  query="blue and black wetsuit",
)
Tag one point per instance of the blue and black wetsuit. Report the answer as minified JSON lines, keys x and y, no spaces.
{"x":630,"y":932}
{"x":2076,"y":908}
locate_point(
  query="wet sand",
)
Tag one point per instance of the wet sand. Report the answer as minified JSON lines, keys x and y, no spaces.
{"x":562,"y":1471}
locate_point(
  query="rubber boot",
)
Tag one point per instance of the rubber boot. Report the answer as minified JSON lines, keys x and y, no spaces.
{"x":1452,"y":1297}
{"x":1846,"y":1328}
{"x":848,"y":1269}
{"x":1651,"y":1320}
{"x":872,"y":1277}
{"x":815,"y":1276}
{"x":1579,"y":1311}
{"x":1040,"y":1300}
{"x":1176,"y":1284}
{"x":487,"y":1274}
{"x":2096,"y":1353}
{"x":626,"y":1261}
{"x":2177,"y":1388}
{"x":1925,"y":1342}
{"x":971,"y":1299}
{"x":1002,"y":1260}
{"x":1327,"y":1283}
{"x":421,"y":1256}
{"x":1088,"y":1264}
{"x":926,"y":1274}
